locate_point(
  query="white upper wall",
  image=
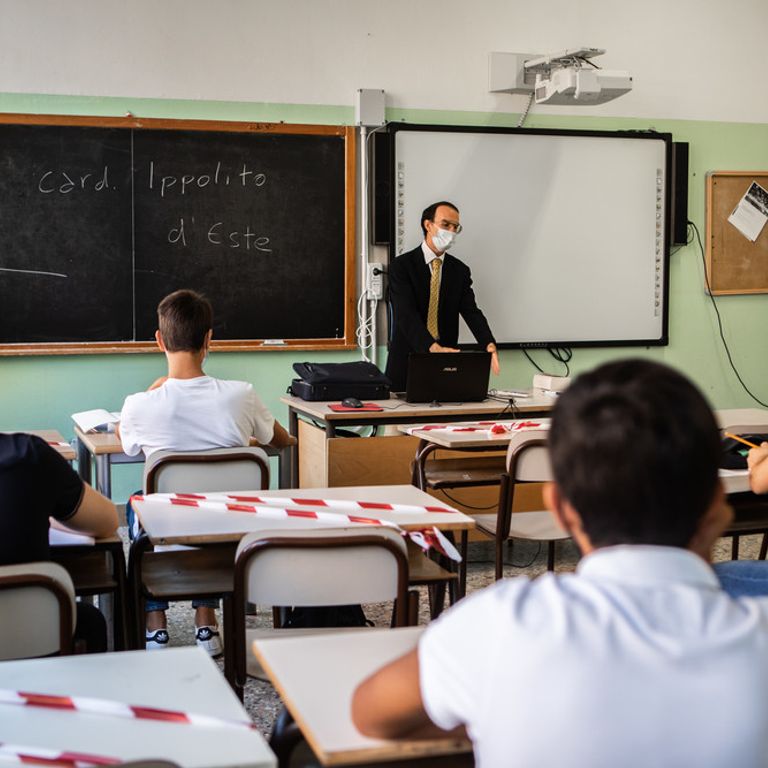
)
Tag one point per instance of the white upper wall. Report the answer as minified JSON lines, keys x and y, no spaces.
{"x":690,"y":59}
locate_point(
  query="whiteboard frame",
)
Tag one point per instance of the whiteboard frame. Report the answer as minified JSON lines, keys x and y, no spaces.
{"x":534,"y":343}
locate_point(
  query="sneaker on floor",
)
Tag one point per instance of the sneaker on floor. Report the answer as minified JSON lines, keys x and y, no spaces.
{"x":157,"y":640}
{"x":209,"y":638}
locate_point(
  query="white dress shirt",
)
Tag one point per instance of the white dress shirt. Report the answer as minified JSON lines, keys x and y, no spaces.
{"x":637,"y":659}
{"x":429,"y":257}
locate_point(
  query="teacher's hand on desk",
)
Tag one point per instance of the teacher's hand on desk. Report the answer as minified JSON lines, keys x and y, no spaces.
{"x":438,"y":348}
{"x":758,"y":468}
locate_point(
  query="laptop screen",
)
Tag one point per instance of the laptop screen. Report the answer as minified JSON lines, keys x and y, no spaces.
{"x":447,"y":377}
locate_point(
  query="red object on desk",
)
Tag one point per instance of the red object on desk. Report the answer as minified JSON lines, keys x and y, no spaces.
{"x":367,"y":407}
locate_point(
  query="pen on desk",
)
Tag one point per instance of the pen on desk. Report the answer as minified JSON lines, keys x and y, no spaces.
{"x":740,"y":439}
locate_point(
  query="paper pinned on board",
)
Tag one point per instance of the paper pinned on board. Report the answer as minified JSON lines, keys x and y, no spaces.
{"x":750,"y":215}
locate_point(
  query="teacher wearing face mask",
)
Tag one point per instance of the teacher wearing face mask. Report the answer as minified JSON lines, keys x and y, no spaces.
{"x":428,"y":290}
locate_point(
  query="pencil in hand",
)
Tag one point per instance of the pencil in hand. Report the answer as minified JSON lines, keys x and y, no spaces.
{"x":740,"y":439}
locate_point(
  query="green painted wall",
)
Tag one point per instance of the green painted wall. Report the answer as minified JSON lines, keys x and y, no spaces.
{"x":39,"y":392}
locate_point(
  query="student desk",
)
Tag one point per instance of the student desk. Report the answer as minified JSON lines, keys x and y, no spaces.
{"x":322,"y":458}
{"x":751,"y":513}
{"x":54,"y":438}
{"x":105,"y":450}
{"x":316,"y":675}
{"x":182,"y":679}
{"x":169,"y":524}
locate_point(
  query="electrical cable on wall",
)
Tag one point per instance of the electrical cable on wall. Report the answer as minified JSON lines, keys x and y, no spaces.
{"x":719,"y":318}
{"x":527,"y":109}
{"x":561,"y":354}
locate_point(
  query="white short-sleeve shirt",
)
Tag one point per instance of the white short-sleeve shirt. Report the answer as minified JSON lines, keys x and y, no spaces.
{"x":637,"y":659}
{"x":194,"y":415}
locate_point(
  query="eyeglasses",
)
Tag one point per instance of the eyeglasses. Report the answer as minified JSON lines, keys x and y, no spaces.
{"x":451,"y":226}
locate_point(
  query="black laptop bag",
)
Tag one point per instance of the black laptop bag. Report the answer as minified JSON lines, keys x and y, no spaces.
{"x":335,"y":381}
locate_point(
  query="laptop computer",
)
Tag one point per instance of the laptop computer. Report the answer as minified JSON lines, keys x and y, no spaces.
{"x":447,"y":377}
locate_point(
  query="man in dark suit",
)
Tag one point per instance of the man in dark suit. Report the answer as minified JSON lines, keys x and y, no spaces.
{"x":428,"y":290}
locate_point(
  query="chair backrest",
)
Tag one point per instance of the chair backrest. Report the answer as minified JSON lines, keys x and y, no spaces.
{"x":37,"y":601}
{"x":220,"y":469}
{"x":326,"y":566}
{"x":528,"y":457}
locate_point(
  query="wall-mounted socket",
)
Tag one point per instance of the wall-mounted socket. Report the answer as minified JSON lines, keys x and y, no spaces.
{"x":375,"y":281}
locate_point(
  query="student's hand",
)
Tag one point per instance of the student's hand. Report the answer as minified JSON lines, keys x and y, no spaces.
{"x":438,"y":348}
{"x":281,"y":438}
{"x":495,"y":367}
{"x":758,"y":468}
{"x":157,"y":383}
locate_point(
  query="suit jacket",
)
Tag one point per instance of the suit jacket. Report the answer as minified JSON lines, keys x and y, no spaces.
{"x":409,"y":279}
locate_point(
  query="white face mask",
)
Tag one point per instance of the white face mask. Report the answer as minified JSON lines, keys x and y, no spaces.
{"x":443,"y":239}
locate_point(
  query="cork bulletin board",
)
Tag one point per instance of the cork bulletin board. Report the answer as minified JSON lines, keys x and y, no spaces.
{"x":735,"y":264}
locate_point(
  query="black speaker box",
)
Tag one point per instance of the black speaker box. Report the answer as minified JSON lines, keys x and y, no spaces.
{"x":381,"y":205}
{"x":679,"y":228}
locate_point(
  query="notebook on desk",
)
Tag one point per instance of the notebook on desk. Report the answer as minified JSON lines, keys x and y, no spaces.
{"x":447,"y":377}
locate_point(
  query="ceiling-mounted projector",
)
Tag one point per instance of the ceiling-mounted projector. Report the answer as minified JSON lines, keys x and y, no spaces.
{"x":565,"y":78}
{"x":577,"y":85}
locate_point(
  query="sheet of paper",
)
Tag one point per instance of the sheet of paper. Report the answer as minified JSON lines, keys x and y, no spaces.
{"x":58,"y":538}
{"x":750,"y":215}
{"x":98,"y":417}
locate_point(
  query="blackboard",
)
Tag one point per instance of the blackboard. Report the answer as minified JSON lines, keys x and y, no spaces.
{"x":101,"y":218}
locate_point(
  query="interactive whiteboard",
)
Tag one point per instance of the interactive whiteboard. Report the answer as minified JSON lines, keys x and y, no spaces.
{"x":565,"y":232}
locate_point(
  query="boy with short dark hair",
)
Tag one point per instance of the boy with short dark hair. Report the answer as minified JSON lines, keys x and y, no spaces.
{"x":639,"y":658}
{"x":190,"y":411}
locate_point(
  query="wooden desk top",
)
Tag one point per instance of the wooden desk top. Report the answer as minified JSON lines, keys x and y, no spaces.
{"x":333,"y":664}
{"x":55,"y":439}
{"x":400,"y":410}
{"x":483,"y":438}
{"x":178,"y":678}
{"x":166,"y":524}
{"x":99,"y":443}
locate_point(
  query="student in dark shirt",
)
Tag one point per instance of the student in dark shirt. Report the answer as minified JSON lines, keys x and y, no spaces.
{"x":39,"y":489}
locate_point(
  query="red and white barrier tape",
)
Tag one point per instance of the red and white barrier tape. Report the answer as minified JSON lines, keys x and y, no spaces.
{"x":494,"y":427}
{"x":285,"y":502}
{"x":18,"y":753}
{"x":425,"y":539}
{"x":93,"y":706}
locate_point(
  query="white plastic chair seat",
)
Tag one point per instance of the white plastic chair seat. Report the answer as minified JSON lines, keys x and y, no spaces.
{"x":537,"y":525}
{"x":32,"y":616}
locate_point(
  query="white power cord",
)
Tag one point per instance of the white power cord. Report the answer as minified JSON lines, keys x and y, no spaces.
{"x":366,"y":325}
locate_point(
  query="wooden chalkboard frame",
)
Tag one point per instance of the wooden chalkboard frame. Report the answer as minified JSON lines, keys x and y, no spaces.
{"x":735,"y":265}
{"x":241,"y":345}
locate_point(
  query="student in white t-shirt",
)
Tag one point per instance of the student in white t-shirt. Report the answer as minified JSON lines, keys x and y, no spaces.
{"x":638,"y":658}
{"x":189,"y":411}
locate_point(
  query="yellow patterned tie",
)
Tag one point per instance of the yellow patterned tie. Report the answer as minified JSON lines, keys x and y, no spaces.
{"x":434,"y":297}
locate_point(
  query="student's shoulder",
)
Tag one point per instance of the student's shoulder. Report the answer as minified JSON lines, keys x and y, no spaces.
{"x":233,"y":385}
